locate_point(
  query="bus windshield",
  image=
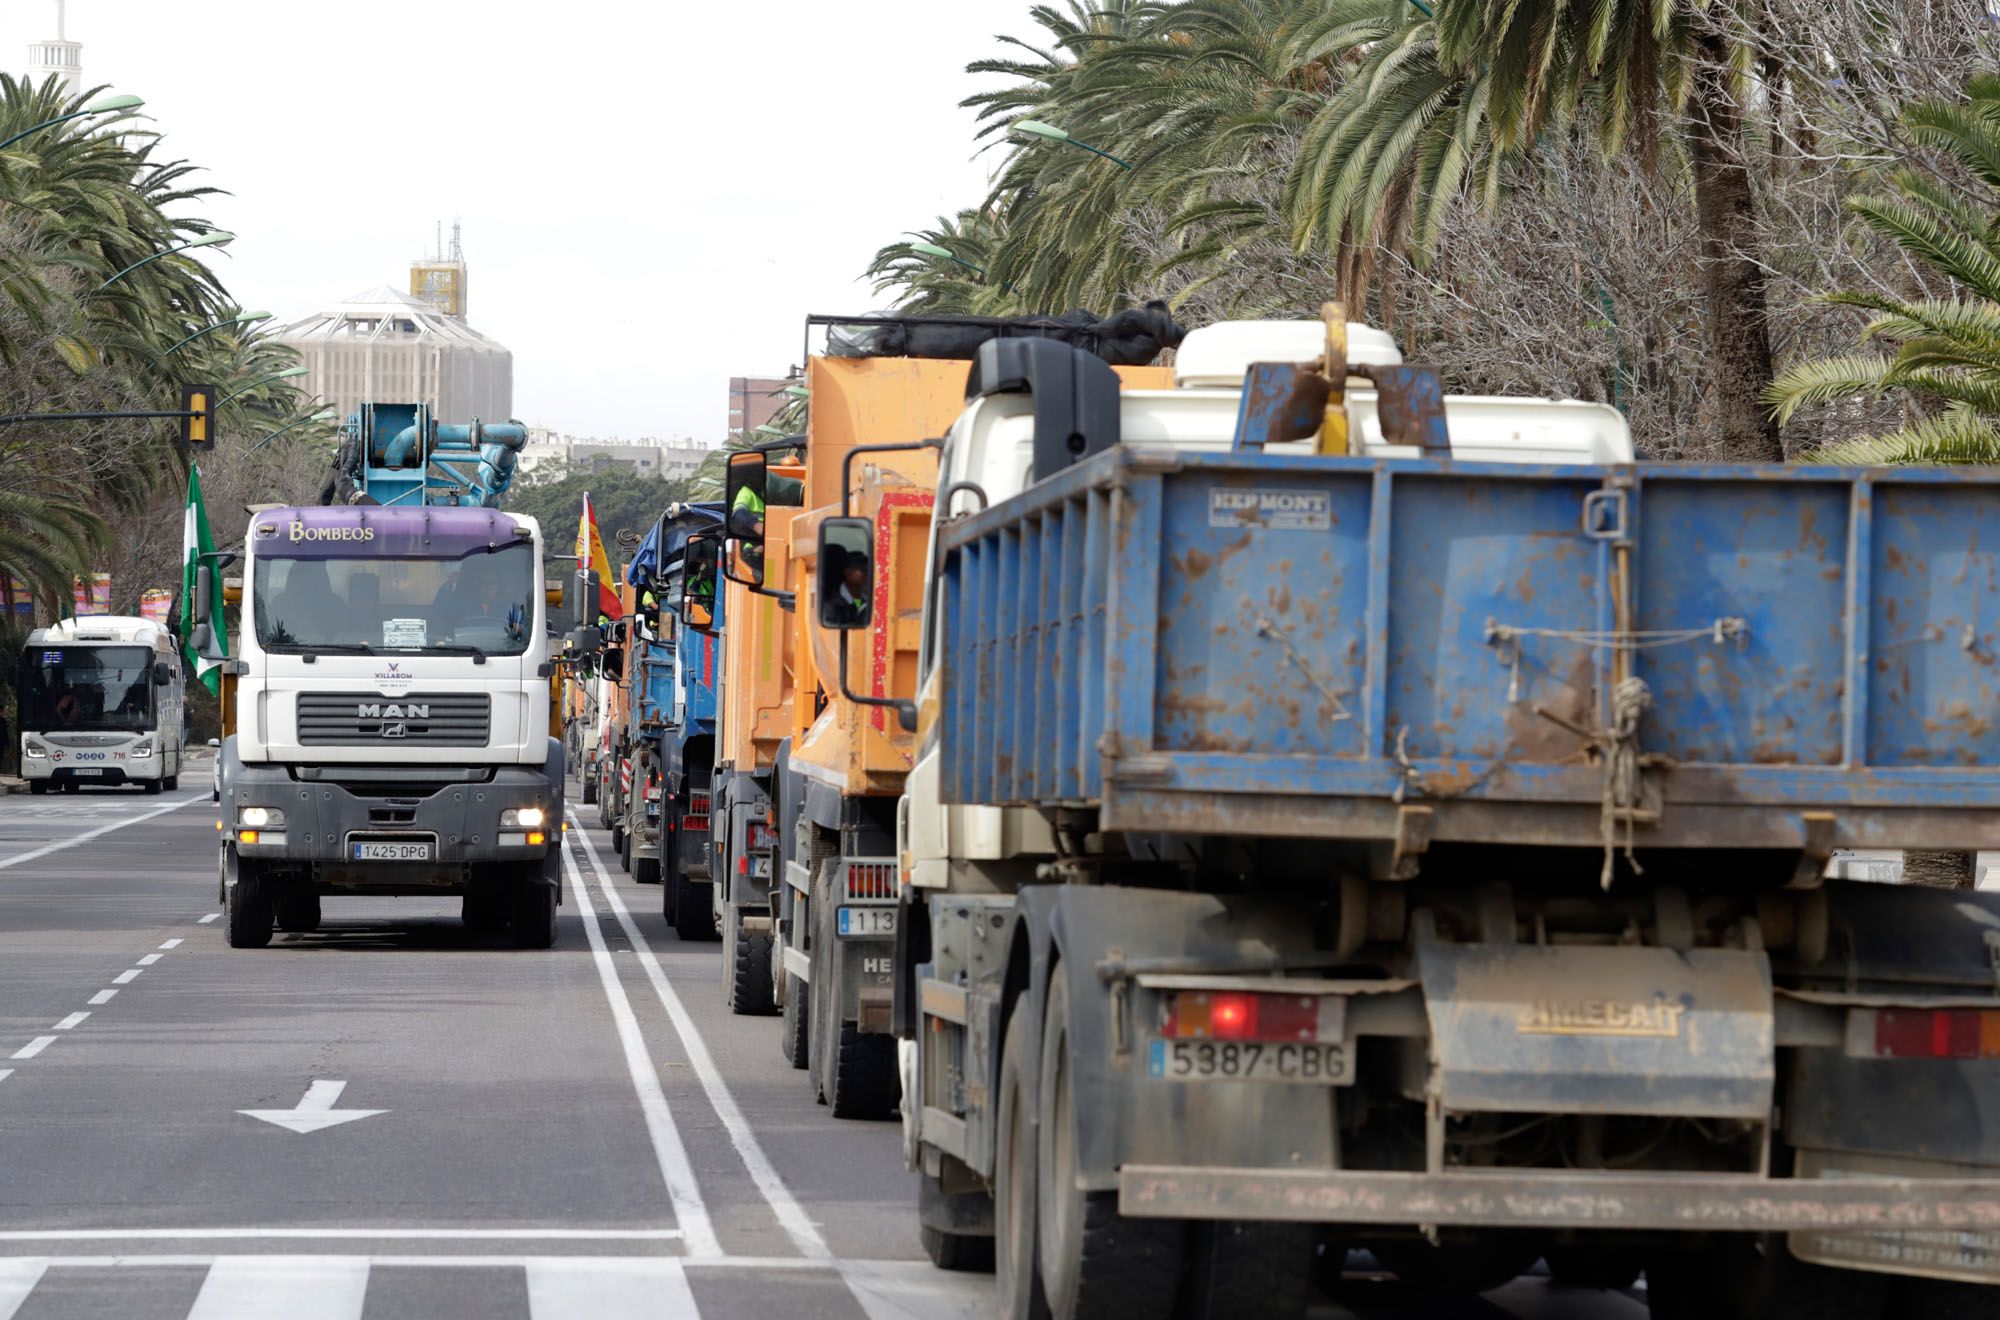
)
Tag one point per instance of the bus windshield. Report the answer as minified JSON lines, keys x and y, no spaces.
{"x":87,"y":688}
{"x":483,"y":601}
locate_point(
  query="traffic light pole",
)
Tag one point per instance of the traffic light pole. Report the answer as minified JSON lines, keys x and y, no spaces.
{"x":196,"y":416}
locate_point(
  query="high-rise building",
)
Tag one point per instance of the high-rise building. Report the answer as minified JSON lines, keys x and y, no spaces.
{"x":388,"y":347}
{"x":57,"y":55}
{"x":755,"y":400}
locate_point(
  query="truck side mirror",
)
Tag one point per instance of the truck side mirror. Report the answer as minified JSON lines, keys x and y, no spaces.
{"x":699,"y":560}
{"x":612,"y":663}
{"x":744,"y":497}
{"x":583,"y":603}
{"x":846,"y":573}
{"x":204,"y":593}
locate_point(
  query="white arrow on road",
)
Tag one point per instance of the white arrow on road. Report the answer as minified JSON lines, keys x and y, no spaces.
{"x":315,"y":1110}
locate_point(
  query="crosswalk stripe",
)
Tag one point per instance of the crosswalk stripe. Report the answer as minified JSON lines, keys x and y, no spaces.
{"x":583,"y":1288}
{"x":296,"y":1287}
{"x":18,"y":1278}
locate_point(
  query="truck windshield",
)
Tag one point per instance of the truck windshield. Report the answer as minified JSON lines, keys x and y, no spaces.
{"x":484,"y":601}
{"x":82,"y":688}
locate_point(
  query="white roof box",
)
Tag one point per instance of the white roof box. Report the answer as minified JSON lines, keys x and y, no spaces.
{"x":1216,"y":356}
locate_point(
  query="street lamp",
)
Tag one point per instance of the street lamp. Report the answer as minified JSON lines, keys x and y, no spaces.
{"x":108,"y":105}
{"x":323,"y":415}
{"x":944,"y":254}
{"x":286,"y":374}
{"x":214,"y":238}
{"x":209,"y":330}
{"x":1049,"y":132}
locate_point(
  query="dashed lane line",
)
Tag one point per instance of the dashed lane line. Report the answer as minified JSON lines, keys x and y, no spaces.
{"x":34,"y":1047}
{"x":210,"y":917}
{"x":683,"y":1192}
{"x":790,"y":1214}
{"x":150,"y":959}
{"x":73,"y":1021}
{"x":103,"y":996}
{"x":126,"y":977}
{"x":171,"y":944}
{"x":38,"y":853}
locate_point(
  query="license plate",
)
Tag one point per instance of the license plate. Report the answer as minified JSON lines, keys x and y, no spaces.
{"x":392,"y":852}
{"x":81,"y":771}
{"x":1249,"y":1061}
{"x":868,"y":921}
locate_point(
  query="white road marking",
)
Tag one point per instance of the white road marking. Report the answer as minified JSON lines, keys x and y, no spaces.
{"x":5,"y":1073}
{"x":171,"y":944}
{"x":17,"y":1279}
{"x":34,"y":1047}
{"x":327,"y":1234}
{"x":126,"y":978}
{"x":790,"y":1214}
{"x":296,"y":1287}
{"x":88,"y":835}
{"x":315,"y":1110}
{"x":102,"y":996}
{"x":917,"y":1290}
{"x":583,"y":1288}
{"x":72,"y":1021}
{"x":210,"y":917}
{"x":683,"y":1192}
{"x":150,"y":959}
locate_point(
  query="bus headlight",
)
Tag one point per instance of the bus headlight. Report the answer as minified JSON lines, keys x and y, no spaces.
{"x":33,"y":747}
{"x":144,"y":747}
{"x":523,"y":818}
{"x":260,"y":818}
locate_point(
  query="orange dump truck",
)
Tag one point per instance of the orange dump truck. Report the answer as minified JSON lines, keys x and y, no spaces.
{"x":809,"y":910}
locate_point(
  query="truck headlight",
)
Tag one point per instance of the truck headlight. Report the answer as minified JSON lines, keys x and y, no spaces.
{"x":33,"y":747}
{"x":144,"y":747}
{"x":523,"y":818}
{"x":261,"y":818}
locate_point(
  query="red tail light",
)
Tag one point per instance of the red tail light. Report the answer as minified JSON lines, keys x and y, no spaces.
{"x":871,"y":880}
{"x":1241,"y":1015}
{"x":1924,"y":1033}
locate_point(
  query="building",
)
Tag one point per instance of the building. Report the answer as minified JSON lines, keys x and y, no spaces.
{"x":755,"y":400}
{"x":57,"y":55}
{"x":645,"y":457}
{"x":439,"y":281}
{"x":389,"y":347}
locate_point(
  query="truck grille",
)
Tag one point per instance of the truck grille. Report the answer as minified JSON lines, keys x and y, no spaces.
{"x":457,"y":720}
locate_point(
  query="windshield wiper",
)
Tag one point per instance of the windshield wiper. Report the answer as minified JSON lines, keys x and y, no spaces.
{"x":457,"y":648}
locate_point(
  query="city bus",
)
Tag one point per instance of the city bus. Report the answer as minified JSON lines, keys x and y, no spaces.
{"x":101,"y":701}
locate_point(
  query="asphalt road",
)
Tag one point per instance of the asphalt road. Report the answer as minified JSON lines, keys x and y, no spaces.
{"x":445,"y":1126}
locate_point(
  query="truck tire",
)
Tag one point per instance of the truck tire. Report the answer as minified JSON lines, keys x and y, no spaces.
{"x":248,"y":905}
{"x":857,"y":1073}
{"x":749,"y":958}
{"x":590,"y":787}
{"x":1096,"y":1264}
{"x":694,"y":910}
{"x":152,"y":787}
{"x":172,"y":783}
{"x":1014,"y":1160}
{"x":1753,"y":1277}
{"x":623,"y":843}
{"x":795,"y":1032}
{"x":40,"y":787}
{"x":533,"y":914}
{"x":1255,"y":1271}
{"x":297,"y":907}
{"x":485,"y":911}
{"x":646,"y":870}
{"x":956,"y":1227}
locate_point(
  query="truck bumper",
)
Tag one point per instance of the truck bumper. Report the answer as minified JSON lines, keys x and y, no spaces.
{"x":460,"y":820}
{"x":1520,"y":1198}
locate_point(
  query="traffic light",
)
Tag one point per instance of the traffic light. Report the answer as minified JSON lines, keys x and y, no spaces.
{"x":198,"y":417}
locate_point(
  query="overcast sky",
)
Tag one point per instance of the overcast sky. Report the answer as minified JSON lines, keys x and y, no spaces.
{"x":653,"y":194}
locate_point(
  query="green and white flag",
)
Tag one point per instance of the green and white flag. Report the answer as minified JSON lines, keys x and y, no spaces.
{"x":197,"y":542}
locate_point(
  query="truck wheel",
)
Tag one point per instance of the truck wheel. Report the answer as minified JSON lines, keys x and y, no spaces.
{"x":858,"y":1076}
{"x":1255,"y":1271}
{"x":40,"y":787}
{"x":944,"y":1218}
{"x":623,"y":843}
{"x":589,"y":789}
{"x":533,"y":917}
{"x":646,"y":870}
{"x":248,"y":906}
{"x":749,"y":958}
{"x":1095,"y":1262}
{"x":297,"y":906}
{"x":694,"y":910}
{"x":794,"y":1034}
{"x":152,"y":787}
{"x":1752,"y":1277}
{"x":172,"y":783}
{"x":1014,"y":1161}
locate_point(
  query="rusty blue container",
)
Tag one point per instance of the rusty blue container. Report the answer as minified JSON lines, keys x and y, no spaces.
{"x":1259,"y":644}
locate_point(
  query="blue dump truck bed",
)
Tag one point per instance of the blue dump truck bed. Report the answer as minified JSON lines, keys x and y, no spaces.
{"x":1408,"y":651}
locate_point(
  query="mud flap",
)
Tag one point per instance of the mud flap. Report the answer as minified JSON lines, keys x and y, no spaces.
{"x":1535,"y":1029}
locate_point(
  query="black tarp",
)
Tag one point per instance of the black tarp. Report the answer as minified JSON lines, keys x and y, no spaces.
{"x":1131,"y":338}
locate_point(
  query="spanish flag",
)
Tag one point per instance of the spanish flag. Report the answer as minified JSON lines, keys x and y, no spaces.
{"x":590,"y":554}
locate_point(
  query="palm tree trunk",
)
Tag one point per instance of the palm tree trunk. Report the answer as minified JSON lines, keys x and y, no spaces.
{"x":1739,"y":334}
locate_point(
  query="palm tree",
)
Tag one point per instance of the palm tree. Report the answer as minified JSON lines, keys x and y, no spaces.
{"x":1627,"y":65}
{"x":932,"y":285}
{"x":1945,"y":363}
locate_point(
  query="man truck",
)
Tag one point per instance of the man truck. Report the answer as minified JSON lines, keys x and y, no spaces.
{"x":1350,"y":816}
{"x":393,"y":716}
